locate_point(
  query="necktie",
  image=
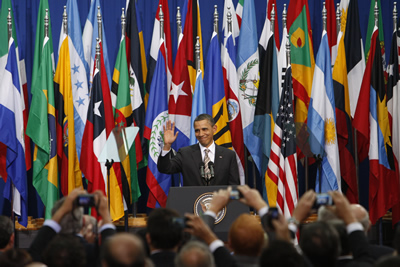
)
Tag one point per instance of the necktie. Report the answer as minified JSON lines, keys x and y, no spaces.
{"x":206,"y":161}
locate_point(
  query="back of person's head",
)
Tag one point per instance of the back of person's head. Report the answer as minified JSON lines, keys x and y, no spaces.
{"x":206,"y":117}
{"x":64,"y":250}
{"x":281,"y":253}
{"x":15,"y":257}
{"x":6,"y":233}
{"x":396,"y":240}
{"x":246,"y":236}
{"x":388,"y":261}
{"x":362,"y":216}
{"x":194,"y":254}
{"x":320,"y":243}
{"x":72,"y":222}
{"x":123,"y":250}
{"x":163,"y":231}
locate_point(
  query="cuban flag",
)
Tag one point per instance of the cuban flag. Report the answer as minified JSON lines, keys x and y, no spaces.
{"x":79,"y":70}
{"x":12,"y":135}
{"x":156,"y":117}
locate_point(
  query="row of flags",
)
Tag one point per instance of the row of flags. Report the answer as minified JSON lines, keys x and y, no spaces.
{"x":279,"y":110}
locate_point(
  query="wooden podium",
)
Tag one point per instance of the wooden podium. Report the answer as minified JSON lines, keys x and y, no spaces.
{"x":195,"y":199}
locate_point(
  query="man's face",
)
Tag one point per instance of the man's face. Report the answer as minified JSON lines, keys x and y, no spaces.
{"x":204,"y":132}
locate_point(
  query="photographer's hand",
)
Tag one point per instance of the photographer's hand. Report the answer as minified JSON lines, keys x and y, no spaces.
{"x":304,"y":206}
{"x":68,"y":204}
{"x":342,"y":207}
{"x":220,"y":199}
{"x":252,"y":197}
{"x":199,"y":229}
{"x":102,"y":207}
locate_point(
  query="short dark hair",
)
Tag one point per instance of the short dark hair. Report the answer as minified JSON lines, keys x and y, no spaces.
{"x":281,"y":253}
{"x":206,"y":117}
{"x":163,"y":231}
{"x":15,"y":257}
{"x":6,"y":230}
{"x":65,"y":250}
{"x":320,"y":243}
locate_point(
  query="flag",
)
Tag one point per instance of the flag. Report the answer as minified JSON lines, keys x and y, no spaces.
{"x":353,"y":46}
{"x":302,"y":59}
{"x":143,"y":58}
{"x":343,"y":125}
{"x":136,"y":86}
{"x":267,"y":108}
{"x":123,"y":117}
{"x":155,"y":44}
{"x":90,"y":33}
{"x":156,"y":117}
{"x":180,"y":98}
{"x":239,"y":12}
{"x":228,"y":7}
{"x":79,"y":71}
{"x":70,"y":173}
{"x":198,"y":105}
{"x":372,"y":123}
{"x":393,"y":102}
{"x":247,"y":63}
{"x":282,"y":166}
{"x":331,"y":23}
{"x":190,"y":32}
{"x":370,"y":29}
{"x":6,"y":4}
{"x":321,"y":122}
{"x":215,"y":94}
{"x":42,"y":125}
{"x":343,"y":7}
{"x":282,"y":61}
{"x":232,"y":94}
{"x":11,"y":135}
{"x":266,"y":32}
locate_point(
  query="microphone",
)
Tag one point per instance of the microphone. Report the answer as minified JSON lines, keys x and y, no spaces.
{"x":211,"y":167}
{"x":202,"y":173}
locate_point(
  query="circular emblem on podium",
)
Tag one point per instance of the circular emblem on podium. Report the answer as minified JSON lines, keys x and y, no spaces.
{"x":202,"y":204}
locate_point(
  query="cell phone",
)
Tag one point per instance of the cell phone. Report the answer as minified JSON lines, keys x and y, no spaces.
{"x":323,"y":199}
{"x":236,"y":194}
{"x":85,"y":200}
{"x":272,"y":214}
{"x":180,"y":221}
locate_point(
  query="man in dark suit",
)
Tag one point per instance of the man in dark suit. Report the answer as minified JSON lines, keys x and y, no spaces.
{"x":193,"y":160}
{"x":6,"y":234}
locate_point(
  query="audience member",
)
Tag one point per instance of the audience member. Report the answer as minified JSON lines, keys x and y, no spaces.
{"x":64,"y":250}
{"x":15,"y":257}
{"x":280,"y":253}
{"x":194,"y":254}
{"x":6,"y":234}
{"x":52,"y":227}
{"x":388,"y":261}
{"x":164,"y":236}
{"x":123,"y":250}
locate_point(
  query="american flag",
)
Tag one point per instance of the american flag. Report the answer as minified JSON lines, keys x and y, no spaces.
{"x":282,"y":166}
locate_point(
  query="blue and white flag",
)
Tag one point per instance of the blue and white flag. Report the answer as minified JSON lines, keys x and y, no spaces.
{"x":12,"y":135}
{"x":247,"y":63}
{"x":322,"y":121}
{"x":198,"y":105}
{"x":79,"y":71}
{"x":90,"y":33}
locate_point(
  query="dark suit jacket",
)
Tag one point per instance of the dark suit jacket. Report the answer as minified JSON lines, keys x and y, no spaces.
{"x":46,"y":234}
{"x":359,"y":247}
{"x":163,"y":259}
{"x":188,"y":161}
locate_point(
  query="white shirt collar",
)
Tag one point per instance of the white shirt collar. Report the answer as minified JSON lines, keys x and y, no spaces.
{"x":211,"y":154}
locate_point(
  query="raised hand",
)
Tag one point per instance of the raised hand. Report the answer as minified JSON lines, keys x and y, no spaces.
{"x":169,"y":135}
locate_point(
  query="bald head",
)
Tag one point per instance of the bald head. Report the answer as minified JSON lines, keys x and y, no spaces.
{"x":123,"y":249}
{"x":194,"y":254}
{"x":361,"y":215}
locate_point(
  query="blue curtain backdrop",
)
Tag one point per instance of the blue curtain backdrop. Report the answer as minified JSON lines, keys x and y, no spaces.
{"x":26,"y":17}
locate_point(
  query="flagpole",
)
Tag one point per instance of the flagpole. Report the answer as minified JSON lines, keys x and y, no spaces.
{"x":216,"y":19}
{"x":272,"y":18}
{"x":161,"y":15}
{"x":99,"y":25}
{"x":178,"y":23}
{"x":9,"y":26}
{"x":338,"y":22}
{"x":65,"y":21}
